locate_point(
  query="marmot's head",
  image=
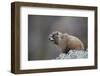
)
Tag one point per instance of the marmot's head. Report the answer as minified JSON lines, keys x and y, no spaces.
{"x":56,"y":37}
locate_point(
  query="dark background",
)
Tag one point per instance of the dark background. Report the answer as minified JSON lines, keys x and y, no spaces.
{"x":39,"y":28}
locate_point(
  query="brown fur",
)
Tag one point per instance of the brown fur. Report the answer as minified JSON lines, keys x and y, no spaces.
{"x":68,"y":42}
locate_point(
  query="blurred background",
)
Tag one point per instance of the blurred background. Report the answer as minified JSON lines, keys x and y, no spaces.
{"x":39,"y":28}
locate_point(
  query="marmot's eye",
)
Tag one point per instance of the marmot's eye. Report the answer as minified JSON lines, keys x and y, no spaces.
{"x":62,"y":37}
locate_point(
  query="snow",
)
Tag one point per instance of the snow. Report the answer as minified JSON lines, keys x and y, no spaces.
{"x":74,"y":54}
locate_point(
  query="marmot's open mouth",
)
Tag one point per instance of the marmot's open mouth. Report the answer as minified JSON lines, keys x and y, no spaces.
{"x":51,"y":39}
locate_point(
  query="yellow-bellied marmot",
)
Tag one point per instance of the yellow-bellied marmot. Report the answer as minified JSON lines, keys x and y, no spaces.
{"x":66,"y":42}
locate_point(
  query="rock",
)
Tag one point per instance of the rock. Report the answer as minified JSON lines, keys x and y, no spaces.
{"x":74,"y":54}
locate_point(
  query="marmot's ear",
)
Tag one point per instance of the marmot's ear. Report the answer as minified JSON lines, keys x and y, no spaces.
{"x":56,"y":31}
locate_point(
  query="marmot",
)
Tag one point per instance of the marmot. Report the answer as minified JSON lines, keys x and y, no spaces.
{"x":66,"y":42}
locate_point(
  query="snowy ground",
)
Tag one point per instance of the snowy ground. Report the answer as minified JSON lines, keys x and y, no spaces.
{"x":73,"y":54}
